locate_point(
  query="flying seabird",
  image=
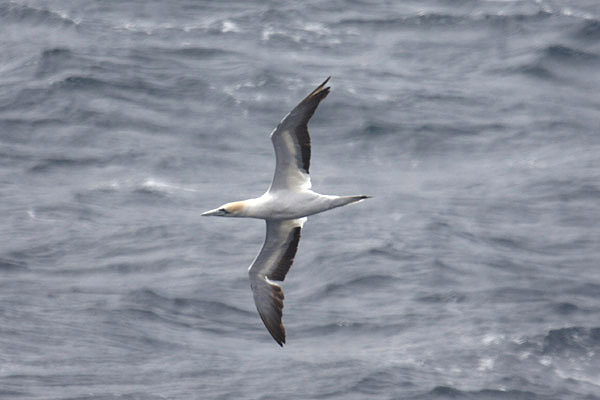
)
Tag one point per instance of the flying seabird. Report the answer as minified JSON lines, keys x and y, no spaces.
{"x":284,"y":207}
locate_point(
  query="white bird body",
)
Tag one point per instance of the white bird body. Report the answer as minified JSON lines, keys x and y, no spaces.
{"x":289,"y":204}
{"x":284,"y":207}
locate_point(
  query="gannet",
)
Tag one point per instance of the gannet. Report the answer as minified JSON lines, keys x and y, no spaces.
{"x":284,"y":207}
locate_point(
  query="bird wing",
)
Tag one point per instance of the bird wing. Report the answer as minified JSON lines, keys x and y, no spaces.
{"x":292,"y":143}
{"x":272,"y":264}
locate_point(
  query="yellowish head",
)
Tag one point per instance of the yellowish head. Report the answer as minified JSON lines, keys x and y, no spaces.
{"x":227,"y":210}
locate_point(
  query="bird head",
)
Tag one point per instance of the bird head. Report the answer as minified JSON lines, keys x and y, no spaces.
{"x":226,"y":210}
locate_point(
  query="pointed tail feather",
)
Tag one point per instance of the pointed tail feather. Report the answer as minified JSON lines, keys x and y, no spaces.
{"x":343,"y":200}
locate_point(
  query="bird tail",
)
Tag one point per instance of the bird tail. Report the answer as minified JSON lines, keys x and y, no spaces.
{"x":343,"y":200}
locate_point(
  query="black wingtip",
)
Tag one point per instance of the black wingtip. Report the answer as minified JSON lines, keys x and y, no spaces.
{"x":279,"y":337}
{"x":324,"y":83}
{"x":321,"y":89}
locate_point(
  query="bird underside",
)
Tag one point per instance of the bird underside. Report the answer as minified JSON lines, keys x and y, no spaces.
{"x":284,"y":207}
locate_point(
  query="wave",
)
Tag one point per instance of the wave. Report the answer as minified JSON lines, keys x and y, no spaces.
{"x":198,"y":52}
{"x":12,"y":265}
{"x":572,"y":341}
{"x":363,"y":282}
{"x":373,"y":128}
{"x":154,"y":187}
{"x":419,"y":20}
{"x":565,"y":308}
{"x":87,"y":82}
{"x":588,"y":289}
{"x":149,"y":298}
{"x":351,"y":286}
{"x":569,"y":352}
{"x":566,"y":54}
{"x":69,"y":69}
{"x":448,"y":392}
{"x":441,"y":19}
{"x":589,"y":31}
{"x":49,"y":164}
{"x":537,"y":71}
{"x":53,"y":60}
{"x":206,"y":315}
{"x":21,"y":14}
{"x":557,"y":62}
{"x":13,"y":393}
{"x":343,"y":327}
{"x":443,"y":298}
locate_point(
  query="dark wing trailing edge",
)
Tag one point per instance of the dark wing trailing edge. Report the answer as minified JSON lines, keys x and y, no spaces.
{"x":291,"y":141}
{"x":272,"y":264}
{"x":287,"y":259}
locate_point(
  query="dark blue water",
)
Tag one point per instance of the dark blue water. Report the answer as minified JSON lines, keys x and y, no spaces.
{"x":473,"y":273}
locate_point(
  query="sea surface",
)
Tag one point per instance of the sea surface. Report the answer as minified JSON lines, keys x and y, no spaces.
{"x":473,"y":272}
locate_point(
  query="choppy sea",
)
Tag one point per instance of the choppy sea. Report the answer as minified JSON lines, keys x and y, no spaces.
{"x":473,"y":273}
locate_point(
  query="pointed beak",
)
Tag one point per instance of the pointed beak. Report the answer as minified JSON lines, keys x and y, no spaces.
{"x":214,"y":212}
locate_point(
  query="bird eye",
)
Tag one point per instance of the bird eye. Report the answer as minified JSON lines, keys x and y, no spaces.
{"x":223,"y":211}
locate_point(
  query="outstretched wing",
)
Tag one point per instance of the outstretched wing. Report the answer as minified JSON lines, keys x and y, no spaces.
{"x":272,"y":264}
{"x":292,"y":143}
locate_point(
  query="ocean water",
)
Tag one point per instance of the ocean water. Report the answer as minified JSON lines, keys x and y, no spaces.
{"x":473,"y":273}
